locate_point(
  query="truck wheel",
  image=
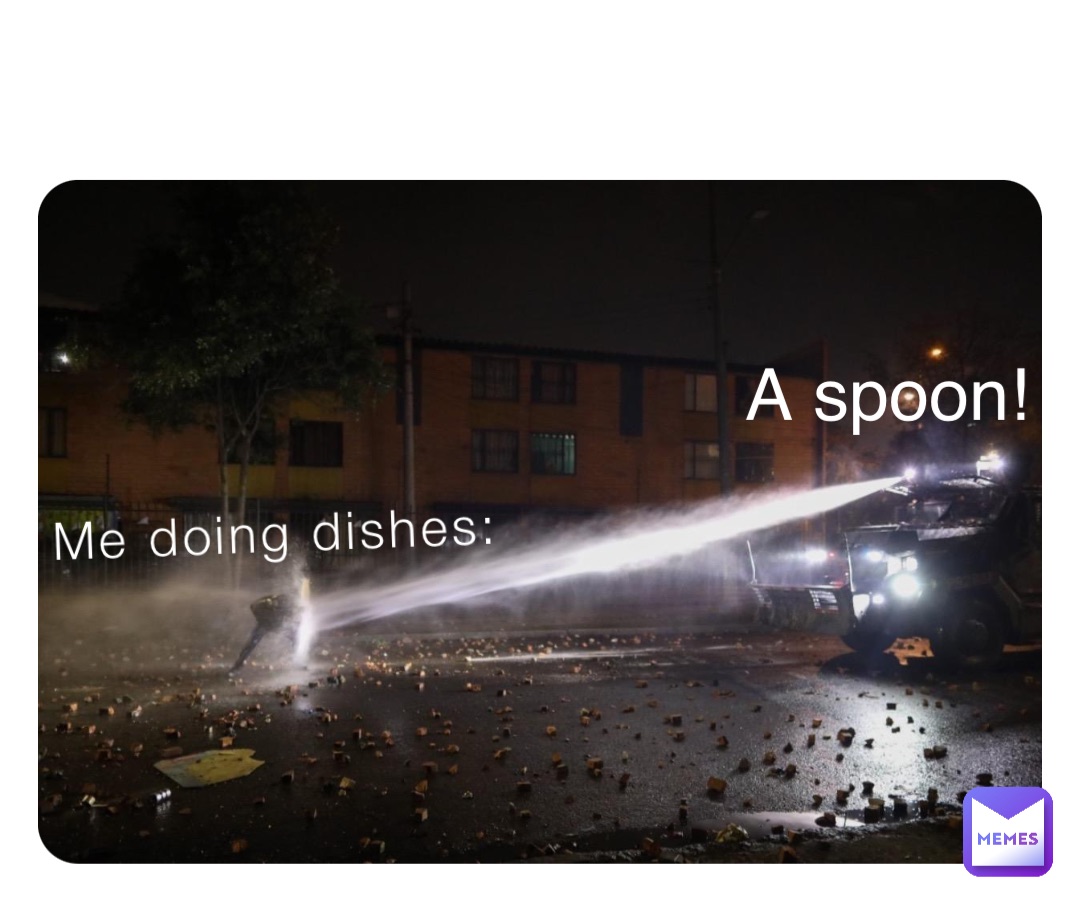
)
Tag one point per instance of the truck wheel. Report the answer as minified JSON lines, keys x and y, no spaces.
{"x":867,"y":642}
{"x":972,"y":638}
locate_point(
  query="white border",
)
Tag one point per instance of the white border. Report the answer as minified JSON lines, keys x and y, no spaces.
{"x":561,"y":90}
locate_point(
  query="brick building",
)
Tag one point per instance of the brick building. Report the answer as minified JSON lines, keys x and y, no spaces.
{"x":500,"y":431}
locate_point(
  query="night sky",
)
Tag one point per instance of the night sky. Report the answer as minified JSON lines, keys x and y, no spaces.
{"x":624,"y":266}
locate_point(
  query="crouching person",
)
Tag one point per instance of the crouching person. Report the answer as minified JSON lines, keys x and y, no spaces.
{"x":277,"y":613}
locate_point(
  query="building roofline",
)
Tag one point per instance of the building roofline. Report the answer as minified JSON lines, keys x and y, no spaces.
{"x":599,"y":356}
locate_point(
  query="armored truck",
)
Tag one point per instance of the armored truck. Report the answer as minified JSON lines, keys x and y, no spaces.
{"x":956,"y":559}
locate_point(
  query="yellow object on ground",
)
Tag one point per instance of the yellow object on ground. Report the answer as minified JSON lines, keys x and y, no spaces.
{"x":211,"y":767}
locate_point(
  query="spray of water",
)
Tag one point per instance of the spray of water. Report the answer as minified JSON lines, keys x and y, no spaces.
{"x":596,"y":550}
{"x":306,"y":630}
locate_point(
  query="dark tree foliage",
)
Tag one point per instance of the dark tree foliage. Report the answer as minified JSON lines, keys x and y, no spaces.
{"x":236,"y":313}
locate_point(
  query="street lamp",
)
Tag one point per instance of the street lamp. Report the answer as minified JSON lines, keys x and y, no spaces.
{"x":936,"y":352}
{"x":719,"y":260}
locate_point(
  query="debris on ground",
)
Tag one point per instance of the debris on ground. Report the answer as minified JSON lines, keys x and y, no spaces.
{"x":732,"y":833}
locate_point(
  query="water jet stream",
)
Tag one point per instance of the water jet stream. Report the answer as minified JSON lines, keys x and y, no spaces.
{"x":638,"y":543}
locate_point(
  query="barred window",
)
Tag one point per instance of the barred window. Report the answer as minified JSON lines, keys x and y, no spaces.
{"x":52,"y":432}
{"x":315,"y":444}
{"x":494,"y":451}
{"x":554,"y":382}
{"x":494,"y":378}
{"x":701,"y":460}
{"x":699,"y":393}
{"x":753,"y":463}
{"x":554,"y":454}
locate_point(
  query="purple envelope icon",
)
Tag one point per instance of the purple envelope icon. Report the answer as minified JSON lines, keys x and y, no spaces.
{"x":1008,"y":831}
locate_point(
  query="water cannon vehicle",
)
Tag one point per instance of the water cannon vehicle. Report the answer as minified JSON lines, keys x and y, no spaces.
{"x":953,"y":556}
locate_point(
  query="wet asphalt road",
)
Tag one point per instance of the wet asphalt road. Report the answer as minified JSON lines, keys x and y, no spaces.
{"x":650,"y":705}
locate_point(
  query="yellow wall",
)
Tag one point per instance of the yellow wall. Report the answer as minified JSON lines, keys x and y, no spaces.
{"x":54,"y":476}
{"x":260,"y":480}
{"x":325,"y":484}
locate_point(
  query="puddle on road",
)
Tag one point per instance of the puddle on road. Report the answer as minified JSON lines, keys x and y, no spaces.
{"x":563,"y":655}
{"x":760,"y":824}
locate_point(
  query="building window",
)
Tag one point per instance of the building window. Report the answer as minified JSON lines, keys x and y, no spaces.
{"x":700,"y":393}
{"x":554,"y":382}
{"x":753,"y":463}
{"x":315,"y":444}
{"x":494,"y":451}
{"x":494,"y":378}
{"x":554,"y":454}
{"x":746,"y":387}
{"x":702,"y":460}
{"x":52,"y":432}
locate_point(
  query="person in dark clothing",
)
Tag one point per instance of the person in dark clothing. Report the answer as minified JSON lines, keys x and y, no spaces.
{"x":273,"y":613}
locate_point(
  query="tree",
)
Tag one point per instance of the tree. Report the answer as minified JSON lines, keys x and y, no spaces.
{"x":238,"y":312}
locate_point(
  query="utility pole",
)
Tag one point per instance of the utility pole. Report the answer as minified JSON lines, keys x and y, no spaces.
{"x":105,"y":499}
{"x":823,"y":444}
{"x":407,"y":413}
{"x":823,"y":428}
{"x":718,"y":260}
{"x":720,"y":339}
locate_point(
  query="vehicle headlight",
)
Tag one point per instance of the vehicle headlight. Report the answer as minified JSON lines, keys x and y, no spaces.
{"x":816,"y":555}
{"x":904,"y":586}
{"x":860,"y":603}
{"x":874,"y":556}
